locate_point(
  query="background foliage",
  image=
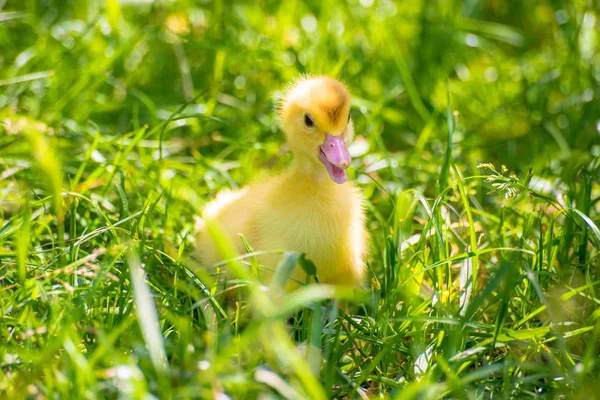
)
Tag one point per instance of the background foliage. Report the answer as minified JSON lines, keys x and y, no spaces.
{"x":120,"y":119}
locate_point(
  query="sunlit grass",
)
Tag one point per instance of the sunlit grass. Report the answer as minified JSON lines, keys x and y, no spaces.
{"x":121,"y":119}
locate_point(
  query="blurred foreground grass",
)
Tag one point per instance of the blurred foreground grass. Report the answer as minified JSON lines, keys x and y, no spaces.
{"x":120,"y":119}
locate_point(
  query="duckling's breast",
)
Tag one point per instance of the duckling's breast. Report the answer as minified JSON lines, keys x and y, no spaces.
{"x":324,"y":222}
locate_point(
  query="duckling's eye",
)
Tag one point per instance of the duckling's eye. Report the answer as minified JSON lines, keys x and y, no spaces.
{"x":308,"y":121}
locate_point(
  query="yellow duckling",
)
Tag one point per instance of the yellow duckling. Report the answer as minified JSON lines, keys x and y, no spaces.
{"x":310,"y":208}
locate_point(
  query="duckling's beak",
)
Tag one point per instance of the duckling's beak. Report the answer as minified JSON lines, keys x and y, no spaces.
{"x":334,"y":155}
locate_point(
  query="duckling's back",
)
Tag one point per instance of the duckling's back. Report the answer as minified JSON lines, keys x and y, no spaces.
{"x":234,"y":211}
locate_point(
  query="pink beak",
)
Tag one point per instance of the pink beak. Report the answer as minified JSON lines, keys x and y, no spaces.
{"x":334,"y":155}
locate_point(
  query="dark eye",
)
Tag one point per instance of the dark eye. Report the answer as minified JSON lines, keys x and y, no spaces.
{"x":348,"y":117}
{"x":308,"y":121}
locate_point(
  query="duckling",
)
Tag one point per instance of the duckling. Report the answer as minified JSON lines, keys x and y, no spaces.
{"x":310,"y":208}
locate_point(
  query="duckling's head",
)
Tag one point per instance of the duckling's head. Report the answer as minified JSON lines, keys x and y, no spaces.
{"x":315,"y":115}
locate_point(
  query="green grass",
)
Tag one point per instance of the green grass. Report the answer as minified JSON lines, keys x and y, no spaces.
{"x":121,"y":119}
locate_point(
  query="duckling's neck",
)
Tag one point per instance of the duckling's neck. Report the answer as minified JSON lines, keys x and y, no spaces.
{"x":307,"y":169}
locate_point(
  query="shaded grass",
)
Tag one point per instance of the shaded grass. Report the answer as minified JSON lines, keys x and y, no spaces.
{"x":118,"y":124}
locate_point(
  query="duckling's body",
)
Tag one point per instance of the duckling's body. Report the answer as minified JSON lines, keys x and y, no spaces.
{"x":303,"y":209}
